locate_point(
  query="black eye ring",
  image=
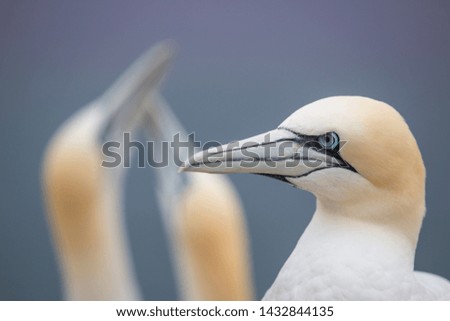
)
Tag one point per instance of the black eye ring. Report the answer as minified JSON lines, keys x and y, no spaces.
{"x":329,"y":141}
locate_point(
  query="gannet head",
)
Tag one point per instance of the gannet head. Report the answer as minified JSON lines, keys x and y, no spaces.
{"x":204,"y":218}
{"x":72,"y":162}
{"x":352,"y":153}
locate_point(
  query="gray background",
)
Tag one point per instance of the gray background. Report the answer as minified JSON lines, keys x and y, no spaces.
{"x":242,"y":68}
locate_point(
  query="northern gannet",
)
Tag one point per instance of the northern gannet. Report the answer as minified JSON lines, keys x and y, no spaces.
{"x":362,"y":163}
{"x":203,"y":217}
{"x":84,"y":199}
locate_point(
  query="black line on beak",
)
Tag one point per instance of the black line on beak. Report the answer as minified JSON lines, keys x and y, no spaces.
{"x":277,"y":177}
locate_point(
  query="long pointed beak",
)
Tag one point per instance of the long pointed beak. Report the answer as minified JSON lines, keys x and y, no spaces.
{"x":280,"y":153}
{"x":125,"y":100}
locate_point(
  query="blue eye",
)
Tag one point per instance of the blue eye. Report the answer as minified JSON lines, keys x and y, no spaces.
{"x":329,"y":140}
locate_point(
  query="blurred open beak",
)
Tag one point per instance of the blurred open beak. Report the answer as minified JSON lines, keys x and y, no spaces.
{"x":125,"y":102}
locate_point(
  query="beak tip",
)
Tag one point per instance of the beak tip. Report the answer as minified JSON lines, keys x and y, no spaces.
{"x":191,"y":165}
{"x":185,"y":167}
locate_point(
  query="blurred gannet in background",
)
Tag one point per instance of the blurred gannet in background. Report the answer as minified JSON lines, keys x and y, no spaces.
{"x":359,"y":158}
{"x":203,"y":217}
{"x":84,"y":199}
